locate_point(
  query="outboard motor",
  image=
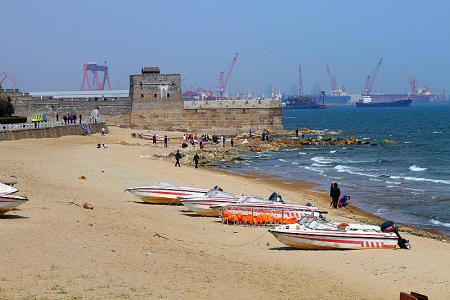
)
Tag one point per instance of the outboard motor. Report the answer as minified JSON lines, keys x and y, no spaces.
{"x":275,"y":197}
{"x":390,"y":226}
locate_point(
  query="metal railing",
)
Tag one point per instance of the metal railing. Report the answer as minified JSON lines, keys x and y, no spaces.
{"x":48,"y":124}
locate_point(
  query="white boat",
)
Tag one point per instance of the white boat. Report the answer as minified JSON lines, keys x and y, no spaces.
{"x":275,"y":208}
{"x":166,"y":193}
{"x":7,"y":189}
{"x":317,"y":233}
{"x":10,"y":201}
{"x":215,"y":198}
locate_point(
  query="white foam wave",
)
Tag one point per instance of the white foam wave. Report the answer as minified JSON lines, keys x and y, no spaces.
{"x":295,"y":163}
{"x":314,"y":169}
{"x":415,"y":168}
{"x":283,"y":160}
{"x":409,"y":178}
{"x":302,"y":153}
{"x":352,"y":170}
{"x":323,"y":160}
{"x":439,"y":223}
{"x":333,"y":151}
{"x":393,"y":182}
{"x":318,"y":165}
{"x":437,"y":132}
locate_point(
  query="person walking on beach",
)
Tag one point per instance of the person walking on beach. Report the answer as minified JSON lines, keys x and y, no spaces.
{"x":223,"y":141}
{"x":166,"y":139}
{"x":196,"y":159}
{"x":154,"y":139}
{"x":81,"y":118}
{"x":57,"y":117}
{"x":335,"y":192}
{"x":296,"y":132}
{"x":177,"y":157}
{"x":232,"y":142}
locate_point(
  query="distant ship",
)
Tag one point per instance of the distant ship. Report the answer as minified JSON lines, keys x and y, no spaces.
{"x":303,"y":102}
{"x":371,"y":101}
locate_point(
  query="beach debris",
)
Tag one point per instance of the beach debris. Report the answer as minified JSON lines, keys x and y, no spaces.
{"x":147,"y":253}
{"x":88,"y":205}
{"x":160,"y":236}
{"x":82,"y":177}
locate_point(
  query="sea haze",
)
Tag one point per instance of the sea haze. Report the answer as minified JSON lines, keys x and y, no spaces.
{"x":407,"y":182}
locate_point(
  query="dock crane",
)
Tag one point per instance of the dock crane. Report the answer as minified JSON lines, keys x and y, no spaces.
{"x":370,"y":81}
{"x":4,"y":76}
{"x":224,"y":78}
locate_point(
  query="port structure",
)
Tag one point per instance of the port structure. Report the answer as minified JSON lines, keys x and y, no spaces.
{"x":224,"y":79}
{"x":335,"y":90}
{"x":370,"y":81}
{"x":94,"y":68}
{"x":4,"y":76}
{"x":300,"y":81}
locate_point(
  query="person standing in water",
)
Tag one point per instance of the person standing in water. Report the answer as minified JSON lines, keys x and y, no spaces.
{"x":166,"y":139}
{"x":335,"y":192}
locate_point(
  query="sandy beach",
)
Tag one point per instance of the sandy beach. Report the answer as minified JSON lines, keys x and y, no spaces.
{"x":124,"y":249}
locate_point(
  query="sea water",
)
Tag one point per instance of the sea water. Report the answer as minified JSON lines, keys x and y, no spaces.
{"x":407,"y":182}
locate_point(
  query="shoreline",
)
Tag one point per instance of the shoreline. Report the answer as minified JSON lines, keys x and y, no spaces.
{"x":124,"y":248}
{"x":352,"y":211}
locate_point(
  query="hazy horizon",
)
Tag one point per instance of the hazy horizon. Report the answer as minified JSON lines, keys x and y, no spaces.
{"x":45,"y":43}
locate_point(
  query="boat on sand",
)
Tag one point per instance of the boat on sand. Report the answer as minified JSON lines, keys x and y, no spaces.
{"x":166,"y":193}
{"x":318,"y":233}
{"x":10,"y":201}
{"x":216,"y":198}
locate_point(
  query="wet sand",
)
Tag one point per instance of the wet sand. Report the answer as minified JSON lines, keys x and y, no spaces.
{"x":125,"y":249}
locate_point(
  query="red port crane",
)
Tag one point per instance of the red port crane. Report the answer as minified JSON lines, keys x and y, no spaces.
{"x":4,"y":76}
{"x":370,"y":81}
{"x":224,"y":79}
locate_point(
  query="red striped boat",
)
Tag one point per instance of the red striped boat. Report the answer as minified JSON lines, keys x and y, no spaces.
{"x":166,"y":193}
{"x":10,"y":201}
{"x":317,"y":233}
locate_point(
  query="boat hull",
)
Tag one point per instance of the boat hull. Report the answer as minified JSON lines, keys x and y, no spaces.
{"x":10,"y":202}
{"x":164,"y":196}
{"x":397,"y":103}
{"x":334,"y":242}
{"x":276,"y":211}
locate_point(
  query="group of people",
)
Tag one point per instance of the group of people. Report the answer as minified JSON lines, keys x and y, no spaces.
{"x":70,"y":118}
{"x":335,"y":193}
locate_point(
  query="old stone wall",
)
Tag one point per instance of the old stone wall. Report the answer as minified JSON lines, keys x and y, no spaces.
{"x":114,"y":111}
{"x":52,"y":132}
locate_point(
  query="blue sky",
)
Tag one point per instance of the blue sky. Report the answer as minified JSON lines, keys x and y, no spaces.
{"x":44,"y":43}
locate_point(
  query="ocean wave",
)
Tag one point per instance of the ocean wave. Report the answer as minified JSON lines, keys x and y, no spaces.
{"x":439,"y":223}
{"x":409,"y":178}
{"x":333,"y":151}
{"x":415,"y":190}
{"x":303,"y":153}
{"x":314,"y":169}
{"x":318,"y":165}
{"x":374,"y":179}
{"x":393,"y":182}
{"x":415,"y":168}
{"x":353,"y":171}
{"x":295,"y":163}
{"x":324,"y":160}
{"x":437,"y":132}
{"x":283,"y":160}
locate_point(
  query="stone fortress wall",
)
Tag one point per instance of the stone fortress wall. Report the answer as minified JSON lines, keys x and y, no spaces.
{"x":156,"y":102}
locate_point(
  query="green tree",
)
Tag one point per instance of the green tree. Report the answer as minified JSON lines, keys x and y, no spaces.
{"x":6,"y":106}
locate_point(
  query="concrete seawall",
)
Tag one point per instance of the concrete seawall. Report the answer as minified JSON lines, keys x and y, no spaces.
{"x":52,"y":132}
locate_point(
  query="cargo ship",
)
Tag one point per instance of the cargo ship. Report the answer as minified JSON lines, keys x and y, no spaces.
{"x":371,"y":101}
{"x":302,"y":102}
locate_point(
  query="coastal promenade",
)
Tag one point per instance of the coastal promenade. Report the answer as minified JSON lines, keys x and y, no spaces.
{"x":123,"y":249}
{"x":47,"y":130}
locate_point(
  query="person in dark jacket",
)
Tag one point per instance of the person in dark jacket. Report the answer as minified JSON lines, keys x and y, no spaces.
{"x":196,"y":159}
{"x":335,"y":192}
{"x":154,"y":139}
{"x":178,"y":157}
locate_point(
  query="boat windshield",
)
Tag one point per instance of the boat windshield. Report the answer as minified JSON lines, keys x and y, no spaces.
{"x":315,"y":223}
{"x":254,"y":199}
{"x":219,"y":194}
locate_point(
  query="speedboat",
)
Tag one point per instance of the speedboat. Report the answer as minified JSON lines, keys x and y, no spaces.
{"x":166,"y":193}
{"x":216,"y":198}
{"x":276,"y":209}
{"x":10,"y":201}
{"x":7,"y":189}
{"x":318,"y":233}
